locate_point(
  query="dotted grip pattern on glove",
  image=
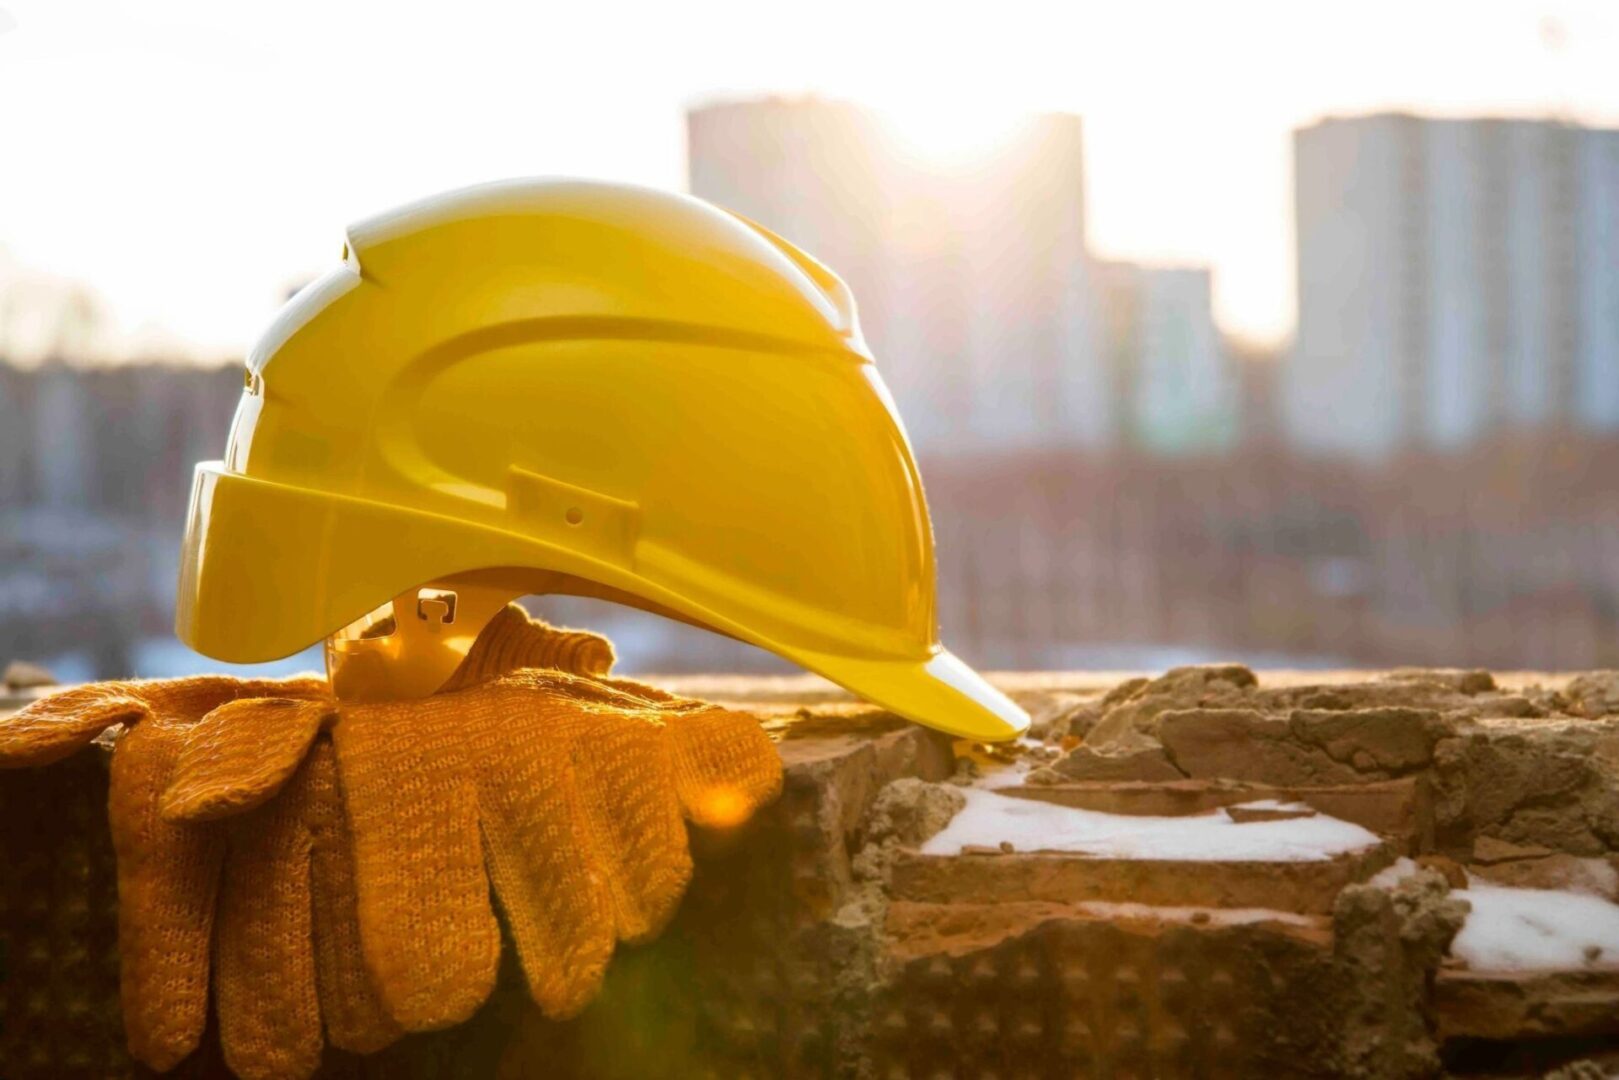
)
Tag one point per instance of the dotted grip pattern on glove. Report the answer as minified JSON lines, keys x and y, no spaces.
{"x":335,"y":860}
{"x":567,"y":794}
{"x":168,"y":873}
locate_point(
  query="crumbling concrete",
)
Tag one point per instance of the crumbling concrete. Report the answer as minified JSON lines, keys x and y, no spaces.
{"x":1387,"y":946}
{"x":1133,"y":708}
{"x":1551,"y":782}
{"x":1593,"y":694}
{"x":820,"y":941}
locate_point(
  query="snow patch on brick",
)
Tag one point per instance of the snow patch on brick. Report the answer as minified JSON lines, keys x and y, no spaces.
{"x":1512,"y":929}
{"x":990,"y":819}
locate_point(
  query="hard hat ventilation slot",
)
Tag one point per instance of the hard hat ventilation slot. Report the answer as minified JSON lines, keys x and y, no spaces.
{"x":436,"y":607}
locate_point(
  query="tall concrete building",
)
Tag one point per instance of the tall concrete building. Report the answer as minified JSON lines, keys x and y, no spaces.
{"x":1455,"y":278}
{"x":62,"y":453}
{"x":973,"y":280}
{"x":1177,"y":388}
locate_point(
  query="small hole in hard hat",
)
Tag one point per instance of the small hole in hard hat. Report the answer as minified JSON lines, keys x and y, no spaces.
{"x":574,"y":515}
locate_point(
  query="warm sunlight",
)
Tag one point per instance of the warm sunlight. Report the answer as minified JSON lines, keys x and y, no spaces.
{"x":900,"y":539}
{"x":952,"y":135}
{"x":1186,"y":138}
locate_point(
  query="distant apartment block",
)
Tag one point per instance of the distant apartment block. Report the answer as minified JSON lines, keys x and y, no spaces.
{"x":1178,"y":389}
{"x":1456,"y":278}
{"x":975,"y":286}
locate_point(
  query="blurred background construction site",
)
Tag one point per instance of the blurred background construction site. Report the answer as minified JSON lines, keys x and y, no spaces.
{"x":1310,"y":358}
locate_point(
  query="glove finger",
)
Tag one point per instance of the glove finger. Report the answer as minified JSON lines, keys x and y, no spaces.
{"x":264,"y":971}
{"x":627,"y":785}
{"x":725,"y":766}
{"x":48,"y":730}
{"x":240,"y":754}
{"x":427,"y":930}
{"x":167,"y":876}
{"x":539,"y":852}
{"x":354,"y":1014}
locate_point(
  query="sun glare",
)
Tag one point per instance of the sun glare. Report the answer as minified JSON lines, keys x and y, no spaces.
{"x":950,"y":137}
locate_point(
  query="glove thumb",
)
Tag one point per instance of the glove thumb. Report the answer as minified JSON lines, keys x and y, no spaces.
{"x":56,"y":726}
{"x":240,"y":754}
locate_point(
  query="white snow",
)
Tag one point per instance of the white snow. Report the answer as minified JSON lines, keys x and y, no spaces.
{"x":1000,"y":776}
{"x":1277,"y":806}
{"x":993,"y":773}
{"x":1536,"y":929}
{"x":990,"y":818}
{"x":1394,"y":873}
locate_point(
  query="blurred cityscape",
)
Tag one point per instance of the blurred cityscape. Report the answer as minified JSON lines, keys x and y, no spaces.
{"x":1427,"y":474}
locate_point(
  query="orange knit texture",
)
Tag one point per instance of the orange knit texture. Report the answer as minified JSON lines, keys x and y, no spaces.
{"x":566,"y":794}
{"x":167,"y":872}
{"x":330,"y":864}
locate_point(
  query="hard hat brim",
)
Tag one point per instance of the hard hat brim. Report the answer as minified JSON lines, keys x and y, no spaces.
{"x":940,"y":692}
{"x":260,"y":579}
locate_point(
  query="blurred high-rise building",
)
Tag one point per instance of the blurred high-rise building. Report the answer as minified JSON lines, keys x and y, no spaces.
{"x":1456,"y":278}
{"x":1178,"y":391}
{"x":61,"y":454}
{"x":972,"y":276}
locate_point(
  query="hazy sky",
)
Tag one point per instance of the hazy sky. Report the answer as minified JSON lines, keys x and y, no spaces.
{"x":190,"y":159}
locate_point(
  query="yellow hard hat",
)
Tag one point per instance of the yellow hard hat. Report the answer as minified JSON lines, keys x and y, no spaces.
{"x":548,"y":386}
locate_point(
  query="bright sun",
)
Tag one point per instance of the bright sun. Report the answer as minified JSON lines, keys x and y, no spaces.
{"x":948,"y":137}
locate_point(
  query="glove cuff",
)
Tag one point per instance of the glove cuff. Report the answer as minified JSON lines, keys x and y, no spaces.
{"x":512,"y":640}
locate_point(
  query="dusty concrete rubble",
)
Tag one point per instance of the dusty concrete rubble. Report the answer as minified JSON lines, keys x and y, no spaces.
{"x":822,"y":940}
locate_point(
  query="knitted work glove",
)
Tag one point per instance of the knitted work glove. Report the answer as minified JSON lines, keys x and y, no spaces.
{"x":569,"y":795}
{"x":264,"y":901}
{"x":287,"y":956}
{"x":566,"y":793}
{"x":169,"y":873}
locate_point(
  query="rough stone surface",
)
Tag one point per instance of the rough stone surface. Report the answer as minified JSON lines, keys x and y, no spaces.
{"x":1598,"y":877}
{"x":909,"y":811}
{"x":1084,"y":763}
{"x":1547,"y":783}
{"x":1388,"y":943}
{"x":1523,"y":763}
{"x":817,"y":942}
{"x":1595,"y":693}
{"x":1505,"y":1006}
{"x":1463,"y":681}
{"x":1306,"y":746}
{"x":1055,"y":713}
{"x":1049,"y":990}
{"x":1303,"y":887}
{"x":1584,"y":1069}
{"x":25,"y":675}
{"x":1134,"y":707}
